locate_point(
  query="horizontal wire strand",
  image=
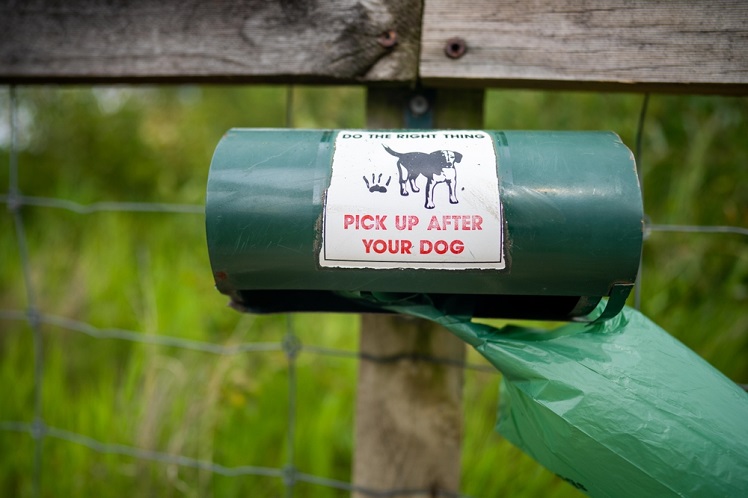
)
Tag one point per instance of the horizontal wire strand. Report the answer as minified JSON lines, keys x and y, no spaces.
{"x":132,"y":336}
{"x":17,"y":200}
{"x":698,"y":229}
{"x":225,"y":350}
{"x":37,"y":429}
{"x":141,"y":453}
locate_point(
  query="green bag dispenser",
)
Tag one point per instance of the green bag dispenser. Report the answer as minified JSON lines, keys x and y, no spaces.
{"x":516,"y":224}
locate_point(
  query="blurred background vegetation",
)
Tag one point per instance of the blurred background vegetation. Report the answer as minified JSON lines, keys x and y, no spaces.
{"x":149,"y":273}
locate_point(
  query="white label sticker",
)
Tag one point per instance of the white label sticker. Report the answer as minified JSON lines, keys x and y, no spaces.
{"x":421,"y":199}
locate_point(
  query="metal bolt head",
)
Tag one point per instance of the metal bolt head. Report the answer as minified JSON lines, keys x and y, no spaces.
{"x":455,"y":47}
{"x":418,"y":105}
{"x":388,"y":39}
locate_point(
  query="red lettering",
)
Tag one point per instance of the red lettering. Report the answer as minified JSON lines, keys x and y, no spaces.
{"x":393,"y":246}
{"x":477,"y":220}
{"x":405,"y":222}
{"x":380,"y":246}
{"x":456,"y":221}
{"x":347,"y":221}
{"x":456,"y":218}
{"x":367,"y":222}
{"x":442,"y":246}
{"x":380,"y":222}
{"x":456,"y":247}
{"x":466,"y":222}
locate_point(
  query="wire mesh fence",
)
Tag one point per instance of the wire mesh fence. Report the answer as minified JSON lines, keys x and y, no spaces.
{"x":291,"y":346}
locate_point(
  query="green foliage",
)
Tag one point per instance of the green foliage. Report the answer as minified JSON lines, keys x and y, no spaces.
{"x":149,"y":273}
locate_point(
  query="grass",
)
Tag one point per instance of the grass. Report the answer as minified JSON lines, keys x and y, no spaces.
{"x":149,"y":273}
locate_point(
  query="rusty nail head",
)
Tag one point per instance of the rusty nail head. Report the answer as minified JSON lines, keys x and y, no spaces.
{"x":388,"y":39}
{"x":455,"y":47}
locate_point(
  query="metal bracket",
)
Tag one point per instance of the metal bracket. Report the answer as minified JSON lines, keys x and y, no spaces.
{"x":419,"y":110}
{"x":616,"y":301}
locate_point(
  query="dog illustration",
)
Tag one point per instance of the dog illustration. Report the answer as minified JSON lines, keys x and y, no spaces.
{"x":438,"y":167}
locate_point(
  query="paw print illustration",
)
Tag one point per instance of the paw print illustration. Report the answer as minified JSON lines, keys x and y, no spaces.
{"x":376,"y":183}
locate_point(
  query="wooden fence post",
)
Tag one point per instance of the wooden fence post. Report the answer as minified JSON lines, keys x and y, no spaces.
{"x":409,"y":411}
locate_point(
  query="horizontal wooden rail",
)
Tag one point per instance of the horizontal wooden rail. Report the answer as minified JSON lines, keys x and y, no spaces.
{"x":692,"y":46}
{"x":697,"y":46}
{"x":217,"y":41}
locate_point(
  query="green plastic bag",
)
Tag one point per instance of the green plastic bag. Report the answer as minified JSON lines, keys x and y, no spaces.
{"x":617,"y":408}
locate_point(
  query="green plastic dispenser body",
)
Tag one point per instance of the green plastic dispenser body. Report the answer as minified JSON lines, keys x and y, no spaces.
{"x":514,"y":224}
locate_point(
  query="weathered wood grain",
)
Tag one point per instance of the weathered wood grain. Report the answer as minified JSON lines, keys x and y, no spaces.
{"x":219,"y":40}
{"x":694,"y":45}
{"x":408,"y":412}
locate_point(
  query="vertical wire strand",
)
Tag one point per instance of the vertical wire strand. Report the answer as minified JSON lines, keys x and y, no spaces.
{"x":32,"y":314}
{"x":292,"y":346}
{"x":639,"y":173}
